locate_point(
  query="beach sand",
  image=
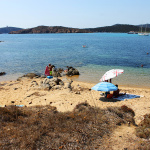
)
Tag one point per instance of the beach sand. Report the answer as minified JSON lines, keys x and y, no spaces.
{"x":23,"y":93}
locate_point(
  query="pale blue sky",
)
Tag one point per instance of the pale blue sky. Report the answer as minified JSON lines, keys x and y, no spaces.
{"x":73,"y":13}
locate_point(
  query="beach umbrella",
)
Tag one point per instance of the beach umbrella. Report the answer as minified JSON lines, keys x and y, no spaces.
{"x":104,"y":86}
{"x":111,"y":74}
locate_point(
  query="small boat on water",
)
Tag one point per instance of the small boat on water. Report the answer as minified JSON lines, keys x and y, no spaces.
{"x":143,"y":33}
{"x":84,"y":46}
{"x":132,"y":32}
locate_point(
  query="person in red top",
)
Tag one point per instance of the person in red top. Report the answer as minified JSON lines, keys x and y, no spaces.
{"x":47,"y":71}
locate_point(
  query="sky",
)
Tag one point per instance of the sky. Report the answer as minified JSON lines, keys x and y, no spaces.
{"x":73,"y":13}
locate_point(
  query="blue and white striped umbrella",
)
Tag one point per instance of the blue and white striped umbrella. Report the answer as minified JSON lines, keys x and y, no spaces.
{"x":104,"y":86}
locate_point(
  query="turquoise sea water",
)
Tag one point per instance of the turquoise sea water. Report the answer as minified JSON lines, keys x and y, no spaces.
{"x":24,"y":53}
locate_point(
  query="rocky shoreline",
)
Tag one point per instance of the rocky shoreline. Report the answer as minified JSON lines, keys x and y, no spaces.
{"x":2,"y":73}
{"x":54,"y":82}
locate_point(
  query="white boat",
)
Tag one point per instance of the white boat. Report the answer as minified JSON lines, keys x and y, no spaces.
{"x":132,"y":32}
{"x":143,"y":33}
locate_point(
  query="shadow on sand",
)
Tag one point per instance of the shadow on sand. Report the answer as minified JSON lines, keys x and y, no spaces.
{"x":103,"y":99}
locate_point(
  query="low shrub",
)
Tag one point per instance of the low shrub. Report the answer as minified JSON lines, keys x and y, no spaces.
{"x":143,"y":129}
{"x":46,"y":128}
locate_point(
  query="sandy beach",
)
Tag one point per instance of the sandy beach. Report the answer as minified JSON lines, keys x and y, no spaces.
{"x":25,"y":93}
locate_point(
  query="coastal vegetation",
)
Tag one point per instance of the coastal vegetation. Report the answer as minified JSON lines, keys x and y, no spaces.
{"x":119,"y":28}
{"x":43,"y":127}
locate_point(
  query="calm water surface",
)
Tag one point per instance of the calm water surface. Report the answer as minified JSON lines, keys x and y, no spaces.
{"x":26,"y":53}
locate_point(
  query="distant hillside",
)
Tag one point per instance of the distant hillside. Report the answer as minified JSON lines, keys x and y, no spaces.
{"x":8,"y":29}
{"x":47,"y":29}
{"x":118,"y":28}
{"x":122,"y":28}
{"x":144,"y":25}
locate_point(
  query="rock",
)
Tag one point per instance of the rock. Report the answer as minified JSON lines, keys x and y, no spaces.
{"x":50,"y":83}
{"x":45,"y":86}
{"x":2,"y":73}
{"x":68,"y":85}
{"x":60,"y":70}
{"x":43,"y":76}
{"x":31,"y":75}
{"x":55,"y":72}
{"x":45,"y":81}
{"x":77,"y":92}
{"x":72,"y":71}
{"x":57,"y":87}
{"x":54,"y":83}
{"x":19,"y":79}
{"x":61,"y":83}
{"x":33,"y":84}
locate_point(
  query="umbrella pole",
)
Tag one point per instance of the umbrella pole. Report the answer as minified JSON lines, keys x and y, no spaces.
{"x":110,"y":80}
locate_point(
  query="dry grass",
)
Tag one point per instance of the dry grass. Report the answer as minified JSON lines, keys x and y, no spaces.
{"x":46,"y":128}
{"x":143,"y":130}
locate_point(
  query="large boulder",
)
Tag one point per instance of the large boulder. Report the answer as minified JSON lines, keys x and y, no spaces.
{"x":55,"y":72}
{"x":47,"y":84}
{"x":72,"y":71}
{"x":31,"y":75}
{"x":2,"y":73}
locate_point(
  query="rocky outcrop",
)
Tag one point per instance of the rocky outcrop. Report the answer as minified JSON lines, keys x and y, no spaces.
{"x":2,"y":73}
{"x":31,"y":75}
{"x":72,"y":71}
{"x":55,"y":72}
{"x":53,"y":83}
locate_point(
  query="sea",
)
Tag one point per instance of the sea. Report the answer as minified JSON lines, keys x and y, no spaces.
{"x":25,"y":53}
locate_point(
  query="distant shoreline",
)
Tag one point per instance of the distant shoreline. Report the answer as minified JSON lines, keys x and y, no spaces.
{"x":118,"y":28}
